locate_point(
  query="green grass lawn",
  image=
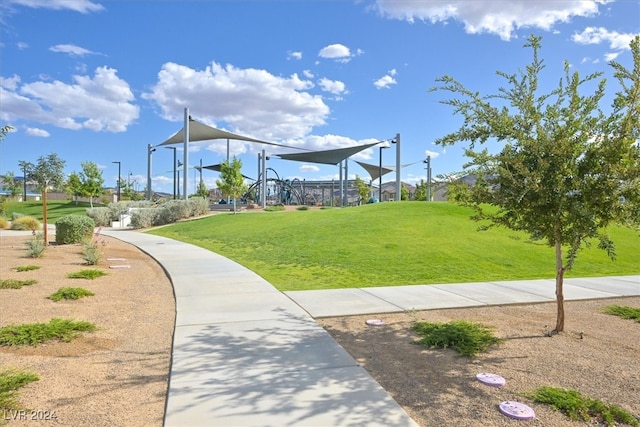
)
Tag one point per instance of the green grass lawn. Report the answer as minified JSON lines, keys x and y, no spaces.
{"x":387,"y":244}
{"x":55,"y":209}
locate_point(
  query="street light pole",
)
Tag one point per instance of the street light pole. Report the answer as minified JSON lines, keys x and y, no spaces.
{"x":174,"y":169}
{"x":119,"y":168}
{"x":382,"y":147}
{"x":428,"y":162}
{"x":150,"y":150}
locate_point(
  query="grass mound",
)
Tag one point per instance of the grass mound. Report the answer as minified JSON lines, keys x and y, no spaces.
{"x":36,"y":333}
{"x":467,"y":338}
{"x":86,"y":274}
{"x":10,"y":382}
{"x":15,"y":284}
{"x":624,"y":312}
{"x":70,"y":294}
{"x":580,"y":408}
{"x":27,"y":268}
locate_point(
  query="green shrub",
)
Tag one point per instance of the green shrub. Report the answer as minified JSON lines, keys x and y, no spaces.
{"x":3,"y":222}
{"x":302,"y":208}
{"x":16,"y":215}
{"x":198,"y":206}
{"x":625,"y":312}
{"x":274,"y":208}
{"x":144,"y":217}
{"x":581,"y":408}
{"x":73,"y":229}
{"x":25,"y":222}
{"x":86,"y":274}
{"x":27,"y":268}
{"x":10,"y":381}
{"x":70,"y":294}
{"x":15,"y":284}
{"x":36,"y":333}
{"x":101,"y":216}
{"x":468,"y":338}
{"x":36,"y":246}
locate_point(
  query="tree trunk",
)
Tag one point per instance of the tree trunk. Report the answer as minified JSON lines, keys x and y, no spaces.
{"x":234,"y":205}
{"x":559,"y":291}
{"x":44,"y":217}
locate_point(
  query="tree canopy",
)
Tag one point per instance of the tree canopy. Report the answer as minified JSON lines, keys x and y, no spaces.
{"x":231,"y":181}
{"x":564,"y":168}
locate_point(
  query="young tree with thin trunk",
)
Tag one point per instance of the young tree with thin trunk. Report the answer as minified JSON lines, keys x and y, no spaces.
{"x":91,"y":180}
{"x":564,"y":170}
{"x":363,"y":189}
{"x":48,"y":173}
{"x":231,"y":181}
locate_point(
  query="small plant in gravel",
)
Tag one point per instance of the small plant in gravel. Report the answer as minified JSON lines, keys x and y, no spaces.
{"x":27,"y":268}
{"x":86,"y":274}
{"x":580,"y":408}
{"x":36,"y":333}
{"x":91,"y":251}
{"x":70,"y":294}
{"x":3,"y":223}
{"x":467,"y":338}
{"x":625,"y":312}
{"x":10,"y":382}
{"x":15,"y":284}
{"x":36,"y":246}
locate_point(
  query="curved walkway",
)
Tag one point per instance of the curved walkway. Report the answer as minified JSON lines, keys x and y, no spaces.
{"x":245,"y":354}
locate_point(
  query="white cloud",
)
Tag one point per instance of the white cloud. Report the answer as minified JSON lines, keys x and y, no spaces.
{"x":82,"y":6}
{"x":432,"y":154}
{"x":22,"y":45}
{"x":250,"y":101}
{"x":308,"y":74}
{"x":338,"y":52}
{"x":333,"y":86}
{"x":71,"y":49}
{"x":309,"y":168}
{"x":611,"y":56}
{"x":502,"y":18}
{"x":37,"y":132}
{"x":101,"y":102}
{"x":387,"y":80}
{"x":294,"y":55}
{"x":593,"y":35}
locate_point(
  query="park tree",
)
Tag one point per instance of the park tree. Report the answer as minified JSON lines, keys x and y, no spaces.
{"x":202,"y":190}
{"x":562,"y":169}
{"x":91,"y":180}
{"x":73,"y":186}
{"x":231,"y":181}
{"x":48,"y":173}
{"x":404,"y":192}
{"x":421,"y":191}
{"x":362,"y":188}
{"x":10,"y":184}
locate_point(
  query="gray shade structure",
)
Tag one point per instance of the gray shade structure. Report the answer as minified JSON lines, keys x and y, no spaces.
{"x":326,"y":157}
{"x":374,"y":170}
{"x":217,"y":168}
{"x":201,"y":132}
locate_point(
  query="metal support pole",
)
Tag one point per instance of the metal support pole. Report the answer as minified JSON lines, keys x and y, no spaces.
{"x":428,"y":178}
{"x":398,"y":167}
{"x":150,"y":150}
{"x":187,"y":119}
{"x":263,"y":195}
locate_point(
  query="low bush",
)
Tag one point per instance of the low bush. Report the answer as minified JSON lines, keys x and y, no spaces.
{"x":274,"y":208}
{"x":198,"y":206}
{"x":36,"y":246}
{"x":101,"y":216}
{"x":86,"y":274}
{"x":302,"y":208}
{"x":15,"y":284}
{"x":580,"y":408}
{"x":3,"y":222}
{"x":27,"y":268}
{"x":11,"y":381}
{"x":144,"y":217}
{"x":625,"y":312}
{"x":25,"y":222}
{"x":70,"y":294}
{"x":468,"y":338}
{"x":32,"y":334}
{"x":92,"y":250}
{"x":74,"y":229}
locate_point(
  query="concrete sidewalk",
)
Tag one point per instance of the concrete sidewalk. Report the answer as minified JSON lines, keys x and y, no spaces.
{"x":245,"y":354}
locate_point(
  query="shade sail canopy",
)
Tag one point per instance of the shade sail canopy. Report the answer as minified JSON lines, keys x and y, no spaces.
{"x":201,"y":132}
{"x":374,"y":170}
{"x":327,"y":157}
{"x":217,"y":168}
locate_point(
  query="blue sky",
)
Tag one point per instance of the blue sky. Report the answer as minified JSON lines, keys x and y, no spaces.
{"x":100,"y":80}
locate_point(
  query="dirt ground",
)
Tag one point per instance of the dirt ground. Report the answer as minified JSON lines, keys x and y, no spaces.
{"x":117,"y":376}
